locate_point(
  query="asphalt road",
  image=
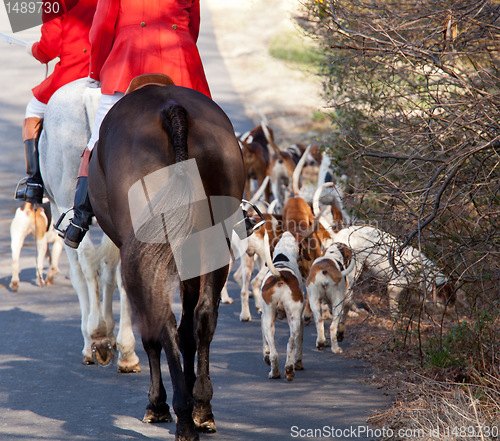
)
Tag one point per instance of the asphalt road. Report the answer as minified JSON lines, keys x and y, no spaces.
{"x":45,"y":393}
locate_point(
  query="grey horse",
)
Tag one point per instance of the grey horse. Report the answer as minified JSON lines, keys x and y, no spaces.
{"x":66,"y":129}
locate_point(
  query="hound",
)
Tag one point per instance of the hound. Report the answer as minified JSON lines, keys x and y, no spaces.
{"x":373,"y":247}
{"x":255,"y":253}
{"x":36,"y":222}
{"x":281,"y":167}
{"x":243,"y":247}
{"x":299,"y":220}
{"x":255,"y":153}
{"x":327,"y":281}
{"x":282,"y":290}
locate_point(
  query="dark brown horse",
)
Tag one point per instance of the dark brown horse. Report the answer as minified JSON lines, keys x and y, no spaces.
{"x":145,"y":132}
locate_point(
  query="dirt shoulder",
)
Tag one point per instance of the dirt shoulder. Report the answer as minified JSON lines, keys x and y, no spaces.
{"x":287,"y":94}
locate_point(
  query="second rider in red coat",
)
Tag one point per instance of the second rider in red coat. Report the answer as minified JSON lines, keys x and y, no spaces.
{"x":66,"y":37}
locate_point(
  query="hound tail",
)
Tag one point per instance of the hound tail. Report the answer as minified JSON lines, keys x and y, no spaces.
{"x":298,"y":171}
{"x":269,"y":259}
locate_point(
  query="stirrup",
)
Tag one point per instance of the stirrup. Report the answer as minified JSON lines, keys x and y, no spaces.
{"x":262,"y":218}
{"x":62,"y":233}
{"x":247,"y":226}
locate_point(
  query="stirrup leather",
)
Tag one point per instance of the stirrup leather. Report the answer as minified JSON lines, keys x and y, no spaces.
{"x":83,"y":229}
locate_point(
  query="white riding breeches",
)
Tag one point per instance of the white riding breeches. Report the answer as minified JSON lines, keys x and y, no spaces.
{"x":35,"y":109}
{"x":105,"y":103}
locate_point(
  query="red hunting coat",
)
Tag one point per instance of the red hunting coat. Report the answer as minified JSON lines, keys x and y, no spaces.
{"x":132,"y":37}
{"x":66,"y":37}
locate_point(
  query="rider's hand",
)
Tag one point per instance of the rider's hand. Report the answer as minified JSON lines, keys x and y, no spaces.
{"x":93,"y":84}
{"x":29,"y":45}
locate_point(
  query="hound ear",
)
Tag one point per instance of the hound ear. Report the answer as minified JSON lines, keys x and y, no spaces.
{"x":444,"y":293}
{"x":337,"y":219}
{"x":304,"y":252}
{"x":346,"y":253}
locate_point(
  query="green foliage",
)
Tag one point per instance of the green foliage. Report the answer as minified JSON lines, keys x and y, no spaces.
{"x":466,"y":343}
{"x":289,"y":46}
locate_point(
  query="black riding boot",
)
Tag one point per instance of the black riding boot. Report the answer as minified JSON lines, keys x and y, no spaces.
{"x":30,"y":189}
{"x":82,"y":215}
{"x":82,"y":210}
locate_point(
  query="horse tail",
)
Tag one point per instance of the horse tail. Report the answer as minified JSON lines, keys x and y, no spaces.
{"x":174,"y":121}
{"x":180,"y":201}
{"x":153,"y":253}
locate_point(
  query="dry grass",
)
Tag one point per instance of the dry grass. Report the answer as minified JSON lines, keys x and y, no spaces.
{"x":431,"y":403}
{"x":431,"y":409}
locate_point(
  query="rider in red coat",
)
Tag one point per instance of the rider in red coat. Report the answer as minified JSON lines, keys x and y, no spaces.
{"x":66,"y":37}
{"x":131,"y":38}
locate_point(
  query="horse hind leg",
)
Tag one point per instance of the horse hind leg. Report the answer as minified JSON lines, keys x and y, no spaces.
{"x":128,"y":361}
{"x":80,"y":286}
{"x":189,"y":294}
{"x":205,"y":321}
{"x":157,"y":411}
{"x":182,"y":400}
{"x":103,"y":351}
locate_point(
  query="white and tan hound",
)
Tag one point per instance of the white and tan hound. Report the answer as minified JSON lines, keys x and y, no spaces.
{"x":282,"y":291}
{"x":37,"y":223}
{"x":327,"y":281}
{"x":410,"y":268}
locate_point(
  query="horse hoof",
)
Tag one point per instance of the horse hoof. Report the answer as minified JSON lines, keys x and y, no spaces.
{"x":123,"y":369}
{"x":289,"y":372}
{"x":159,"y":415}
{"x":203,"y":418}
{"x":245,"y":319}
{"x":228,"y":301}
{"x":322,"y":345}
{"x":14,"y":286}
{"x":206,"y":426}
{"x":103,"y":354}
{"x":186,"y":434}
{"x":299,"y":366}
{"x":274,"y":376}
